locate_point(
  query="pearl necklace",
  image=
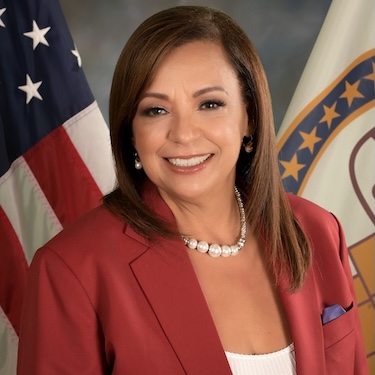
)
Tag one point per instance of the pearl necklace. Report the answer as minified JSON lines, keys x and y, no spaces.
{"x":216,"y":250}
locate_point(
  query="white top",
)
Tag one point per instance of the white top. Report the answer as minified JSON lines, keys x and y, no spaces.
{"x":282,"y":362}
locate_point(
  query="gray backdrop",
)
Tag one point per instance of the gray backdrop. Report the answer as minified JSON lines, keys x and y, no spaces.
{"x":283,"y":31}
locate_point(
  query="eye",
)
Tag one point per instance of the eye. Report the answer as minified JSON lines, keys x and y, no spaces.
{"x":154,"y":111}
{"x":211,"y":104}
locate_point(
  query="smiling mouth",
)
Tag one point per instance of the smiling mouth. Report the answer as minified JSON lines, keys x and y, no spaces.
{"x":191,"y":162}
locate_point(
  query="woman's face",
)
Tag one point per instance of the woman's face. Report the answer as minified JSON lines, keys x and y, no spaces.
{"x":190,"y":122}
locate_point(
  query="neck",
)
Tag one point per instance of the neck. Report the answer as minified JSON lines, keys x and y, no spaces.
{"x":215,"y":219}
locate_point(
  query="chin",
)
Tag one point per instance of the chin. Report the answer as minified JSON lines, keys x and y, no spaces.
{"x":189,"y":191}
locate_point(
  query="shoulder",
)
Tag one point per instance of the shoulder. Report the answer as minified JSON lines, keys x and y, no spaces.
{"x":90,"y":228}
{"x":311,"y":216}
{"x":94,"y":237}
{"x":301,"y":206}
{"x":321,"y":227}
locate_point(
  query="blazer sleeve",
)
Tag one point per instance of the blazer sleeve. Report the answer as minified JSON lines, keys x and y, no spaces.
{"x":360,"y":365}
{"x":59,"y":325}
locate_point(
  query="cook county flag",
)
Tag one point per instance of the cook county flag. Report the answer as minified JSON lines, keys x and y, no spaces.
{"x":327,"y":139}
{"x":55,"y":157}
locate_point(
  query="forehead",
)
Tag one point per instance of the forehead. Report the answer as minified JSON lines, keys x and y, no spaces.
{"x":194,"y":61}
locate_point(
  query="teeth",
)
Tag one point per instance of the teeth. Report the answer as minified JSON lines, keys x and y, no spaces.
{"x":188,"y":162}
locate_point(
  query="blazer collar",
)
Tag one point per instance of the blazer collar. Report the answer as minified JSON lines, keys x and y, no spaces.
{"x":168,"y":280}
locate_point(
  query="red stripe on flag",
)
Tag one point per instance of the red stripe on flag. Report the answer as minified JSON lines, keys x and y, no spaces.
{"x":13,"y":267}
{"x":62,"y":175}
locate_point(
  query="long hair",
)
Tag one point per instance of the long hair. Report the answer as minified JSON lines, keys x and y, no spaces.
{"x":267,"y":210}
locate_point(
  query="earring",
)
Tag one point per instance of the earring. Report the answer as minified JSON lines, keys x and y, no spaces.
{"x":249,"y":145}
{"x":137,"y":162}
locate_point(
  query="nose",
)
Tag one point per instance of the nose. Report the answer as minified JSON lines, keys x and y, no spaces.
{"x":183,"y":129}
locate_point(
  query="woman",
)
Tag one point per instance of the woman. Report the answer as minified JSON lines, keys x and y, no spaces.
{"x":198,"y":262}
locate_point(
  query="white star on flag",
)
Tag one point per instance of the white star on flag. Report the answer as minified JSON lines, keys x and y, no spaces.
{"x":37,"y":35}
{"x":31,"y":89}
{"x":77,"y":55}
{"x":2,"y":10}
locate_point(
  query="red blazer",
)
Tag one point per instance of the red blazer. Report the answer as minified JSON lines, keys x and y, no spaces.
{"x":103,"y":300}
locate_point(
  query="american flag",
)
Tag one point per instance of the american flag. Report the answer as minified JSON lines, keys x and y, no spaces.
{"x":55,"y":157}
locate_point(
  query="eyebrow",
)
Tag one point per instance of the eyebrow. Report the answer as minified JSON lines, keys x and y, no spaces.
{"x":155,"y":95}
{"x":209,"y":89}
{"x":195,"y":94}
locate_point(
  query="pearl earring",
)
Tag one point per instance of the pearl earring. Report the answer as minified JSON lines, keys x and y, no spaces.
{"x":249,"y":145}
{"x":137,"y":162}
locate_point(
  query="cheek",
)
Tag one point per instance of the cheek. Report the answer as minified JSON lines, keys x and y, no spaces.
{"x":232,"y":134}
{"x":147,"y":142}
{"x":140,"y":137}
{"x":229,"y":142}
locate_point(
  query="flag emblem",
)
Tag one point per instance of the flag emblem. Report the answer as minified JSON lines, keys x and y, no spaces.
{"x":306,"y":140}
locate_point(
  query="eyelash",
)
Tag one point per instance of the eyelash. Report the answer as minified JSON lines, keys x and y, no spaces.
{"x":153,"y":111}
{"x":212,"y":104}
{"x":159,"y":111}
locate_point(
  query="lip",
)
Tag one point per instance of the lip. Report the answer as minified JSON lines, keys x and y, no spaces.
{"x":188,"y":163}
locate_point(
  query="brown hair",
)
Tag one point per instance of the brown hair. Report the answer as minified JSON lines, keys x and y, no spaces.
{"x":258,"y":176}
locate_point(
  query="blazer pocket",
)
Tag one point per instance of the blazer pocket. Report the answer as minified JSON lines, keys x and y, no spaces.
{"x":337,"y":329}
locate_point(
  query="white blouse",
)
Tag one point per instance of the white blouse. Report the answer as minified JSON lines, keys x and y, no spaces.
{"x":282,"y":362}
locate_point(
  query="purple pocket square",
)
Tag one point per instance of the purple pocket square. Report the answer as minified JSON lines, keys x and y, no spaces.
{"x":332,"y":312}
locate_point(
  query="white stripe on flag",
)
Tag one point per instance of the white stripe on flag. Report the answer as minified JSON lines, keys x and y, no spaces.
{"x":20,"y":193}
{"x":8,"y":346}
{"x":78,"y":128}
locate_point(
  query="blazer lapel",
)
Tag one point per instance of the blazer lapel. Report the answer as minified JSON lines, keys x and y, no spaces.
{"x":168,"y":280}
{"x":304,"y":320}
